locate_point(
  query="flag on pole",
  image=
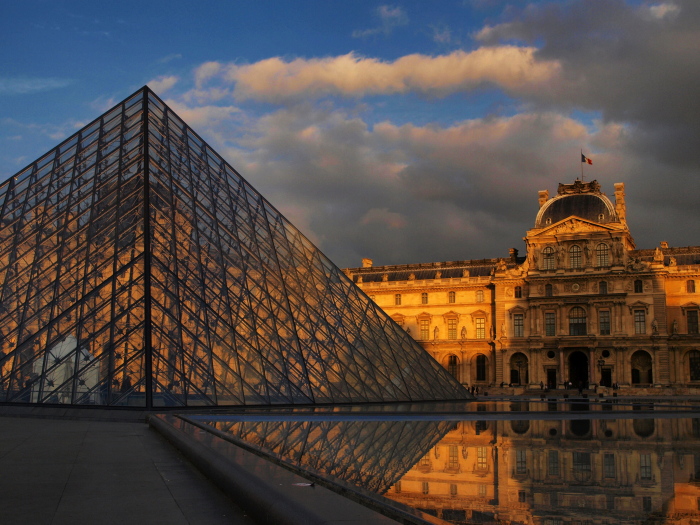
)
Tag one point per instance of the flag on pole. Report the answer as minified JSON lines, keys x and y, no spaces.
{"x":586,"y":159}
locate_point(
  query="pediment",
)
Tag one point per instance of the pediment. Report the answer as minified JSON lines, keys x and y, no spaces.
{"x":638,"y":305}
{"x":574,"y":225}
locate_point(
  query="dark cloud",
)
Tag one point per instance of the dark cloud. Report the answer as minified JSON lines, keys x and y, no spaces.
{"x":635,"y":64}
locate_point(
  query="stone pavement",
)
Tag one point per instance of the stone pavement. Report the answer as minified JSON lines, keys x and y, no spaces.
{"x":58,"y":471}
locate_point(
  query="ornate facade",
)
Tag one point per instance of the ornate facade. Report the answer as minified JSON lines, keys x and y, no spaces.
{"x":584,"y":306}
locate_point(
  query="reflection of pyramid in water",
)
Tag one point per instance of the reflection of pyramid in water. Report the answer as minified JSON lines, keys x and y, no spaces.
{"x":372,"y":454}
{"x":172,"y":282}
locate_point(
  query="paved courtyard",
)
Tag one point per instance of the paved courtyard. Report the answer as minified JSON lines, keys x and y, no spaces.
{"x":55,"y":472}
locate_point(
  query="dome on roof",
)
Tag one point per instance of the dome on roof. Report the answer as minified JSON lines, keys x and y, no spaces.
{"x":583,"y":200}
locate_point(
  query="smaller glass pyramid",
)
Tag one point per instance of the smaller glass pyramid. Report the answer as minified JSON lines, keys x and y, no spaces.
{"x":138,"y":268}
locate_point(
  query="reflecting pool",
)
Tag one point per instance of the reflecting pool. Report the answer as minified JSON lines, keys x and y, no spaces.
{"x":548,"y":463}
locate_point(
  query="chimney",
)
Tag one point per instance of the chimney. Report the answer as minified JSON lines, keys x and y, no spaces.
{"x":513,"y":255}
{"x":366,"y":263}
{"x":544,"y":196}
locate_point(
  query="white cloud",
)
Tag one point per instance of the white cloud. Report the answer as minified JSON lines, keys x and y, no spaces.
{"x":26,"y":85}
{"x":162,"y":84}
{"x":205,"y":72}
{"x":389,"y":18}
{"x":169,"y":58}
{"x":512,"y":68}
{"x":665,"y":10}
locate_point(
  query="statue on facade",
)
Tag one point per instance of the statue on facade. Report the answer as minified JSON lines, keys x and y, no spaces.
{"x":654,"y":327}
{"x":436,"y":333}
{"x":674,"y":327}
{"x":464,"y":332}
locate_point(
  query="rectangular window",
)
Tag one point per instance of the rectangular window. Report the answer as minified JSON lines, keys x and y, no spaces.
{"x":452,"y":328}
{"x":582,"y":461}
{"x":453,"y":489}
{"x":397,"y":299}
{"x":479,"y":296}
{"x":609,"y":466}
{"x":397,"y":487}
{"x":425,"y":329}
{"x":640,"y":326}
{"x":692,"y":321}
{"x":522,"y":496}
{"x":453,"y":461}
{"x":645,"y":466}
{"x":426,"y":488}
{"x":553,"y":463}
{"x":451,"y":297}
{"x":481,"y":328}
{"x":518,"y":325}
{"x":610,"y":501}
{"x":604,"y":322}
{"x":481,"y":457}
{"x":425,"y":461}
{"x":646,"y":503}
{"x":521,"y":461}
{"x":550,"y":324}
{"x":483,"y":489}
{"x":424,"y":298}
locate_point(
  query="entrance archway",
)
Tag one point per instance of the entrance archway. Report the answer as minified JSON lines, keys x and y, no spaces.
{"x":518,"y":369}
{"x":578,"y":369}
{"x":642,"y":368}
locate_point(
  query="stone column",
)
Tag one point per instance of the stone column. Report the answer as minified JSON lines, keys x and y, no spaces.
{"x":562,"y":379}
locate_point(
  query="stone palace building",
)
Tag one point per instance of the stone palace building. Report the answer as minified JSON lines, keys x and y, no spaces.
{"x":583,"y":306}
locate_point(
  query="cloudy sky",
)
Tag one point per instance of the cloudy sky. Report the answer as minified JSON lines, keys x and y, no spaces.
{"x":406,"y":132}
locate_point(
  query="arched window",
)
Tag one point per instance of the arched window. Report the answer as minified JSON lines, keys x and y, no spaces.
{"x":603,"y":287}
{"x":397,"y":299}
{"x":518,"y":292}
{"x":575,"y":257}
{"x":451,"y":296}
{"x":694,"y":365}
{"x":638,"y":286}
{"x":453,"y":366}
{"x":577,"y":321}
{"x":548,"y":290}
{"x":519,"y":369}
{"x":548,"y":258}
{"x":601,"y":255}
{"x":481,"y":364}
{"x":424,"y":298}
{"x":690,"y":286}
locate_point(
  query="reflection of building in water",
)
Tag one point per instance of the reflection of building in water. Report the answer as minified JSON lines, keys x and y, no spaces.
{"x":583,"y":306}
{"x":138,"y":268}
{"x":370,"y":454}
{"x":560,"y":472}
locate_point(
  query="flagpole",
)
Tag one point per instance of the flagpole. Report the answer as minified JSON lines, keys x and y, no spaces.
{"x":581,"y":165}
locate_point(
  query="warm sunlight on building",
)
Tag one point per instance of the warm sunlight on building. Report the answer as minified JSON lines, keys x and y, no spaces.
{"x":583,"y":308}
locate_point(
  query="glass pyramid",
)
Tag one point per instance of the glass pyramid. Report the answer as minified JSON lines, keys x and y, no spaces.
{"x":137,"y":268}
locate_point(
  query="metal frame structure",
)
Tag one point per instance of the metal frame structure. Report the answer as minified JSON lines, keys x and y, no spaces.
{"x":137,"y":268}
